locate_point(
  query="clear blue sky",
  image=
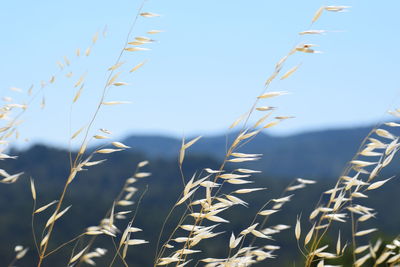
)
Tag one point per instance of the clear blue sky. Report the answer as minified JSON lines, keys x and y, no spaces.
{"x":206,"y":68}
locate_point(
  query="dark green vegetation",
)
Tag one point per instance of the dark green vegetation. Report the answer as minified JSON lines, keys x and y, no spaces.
{"x":92,"y":192}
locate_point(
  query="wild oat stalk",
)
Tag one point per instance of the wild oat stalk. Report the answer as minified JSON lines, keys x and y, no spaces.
{"x":80,"y":161}
{"x":213,"y":203}
{"x":355,"y":183}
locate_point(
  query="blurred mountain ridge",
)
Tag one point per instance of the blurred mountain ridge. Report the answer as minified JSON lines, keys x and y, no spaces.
{"x":312,"y":154}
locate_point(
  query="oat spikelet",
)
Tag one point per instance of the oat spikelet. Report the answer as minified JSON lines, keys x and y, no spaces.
{"x":113,"y":78}
{"x":97,"y":136}
{"x":232,"y":241}
{"x":116,"y":66}
{"x":93,"y":163}
{"x":78,"y":94}
{"x":77,"y":256}
{"x":134,"y":49}
{"x":120,"y":84}
{"x":82,"y":149}
{"x":267,"y":212}
{"x":56,"y":216}
{"x":134,"y":242}
{"x":80,"y":80}
{"x":290,"y":72}
{"x":45,"y":206}
{"x":338,"y":245}
{"x":191,"y":142}
{"x":135,"y":68}
{"x":272,"y":94}
{"x":66,"y":60}
{"x":378,"y":184}
{"x":142,"y":174}
{"x":77,"y":132}
{"x":112,"y":103}
{"x":143,"y":163}
{"x":44,"y":240}
{"x":33,"y":190}
{"x":365,"y":232}
{"x":317,"y":14}
{"x":182,"y":152}
{"x":87,"y":51}
{"x":149,"y":15}
{"x":271,"y":124}
{"x":21,"y":253}
{"x":336,"y":8}
{"x":107,"y":150}
{"x":262,"y":120}
{"x":309,"y":235}
{"x":297,"y":230}
{"x":237,"y":121}
{"x":312,"y":32}
{"x":120,"y":145}
{"x":265,"y":108}
{"x":95,"y":37}
{"x":154,"y":31}
{"x":185,"y":197}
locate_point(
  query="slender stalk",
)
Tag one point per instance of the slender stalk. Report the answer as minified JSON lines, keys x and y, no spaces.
{"x":51,"y":227}
{"x":33,"y":226}
{"x":117,"y":253}
{"x":353,"y":235}
{"x":12,"y":262}
{"x":80,"y":155}
{"x":117,"y":249}
{"x":63,"y":245}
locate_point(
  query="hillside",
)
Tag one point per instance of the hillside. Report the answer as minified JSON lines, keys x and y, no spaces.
{"x":310,"y":154}
{"x":91,"y":195}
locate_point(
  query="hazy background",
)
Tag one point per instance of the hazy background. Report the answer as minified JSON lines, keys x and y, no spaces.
{"x":206,"y":68}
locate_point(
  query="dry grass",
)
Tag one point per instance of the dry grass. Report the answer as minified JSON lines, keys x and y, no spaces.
{"x":204,"y":197}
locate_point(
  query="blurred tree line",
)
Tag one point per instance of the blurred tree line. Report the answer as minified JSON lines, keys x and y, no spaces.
{"x":92,"y":193}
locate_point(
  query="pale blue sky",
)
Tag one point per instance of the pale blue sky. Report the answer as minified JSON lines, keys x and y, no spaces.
{"x":206,"y":68}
